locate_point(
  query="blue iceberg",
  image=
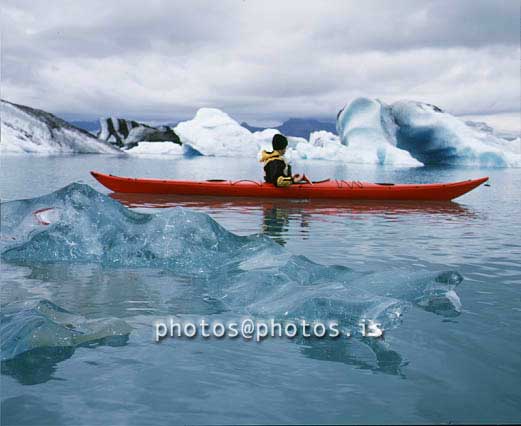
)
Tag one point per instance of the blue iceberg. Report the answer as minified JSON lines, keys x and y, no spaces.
{"x":406,"y":132}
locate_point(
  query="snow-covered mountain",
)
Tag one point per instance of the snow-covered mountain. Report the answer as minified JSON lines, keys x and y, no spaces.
{"x":29,"y":130}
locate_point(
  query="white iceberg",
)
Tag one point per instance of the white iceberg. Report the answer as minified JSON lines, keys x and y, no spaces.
{"x":213,"y":132}
{"x":163,"y":148}
{"x":322,"y":145}
{"x":26,"y":130}
{"x":406,"y":132}
{"x":323,"y":138}
{"x":263,"y":139}
{"x":156,"y":148}
{"x":325,"y":145}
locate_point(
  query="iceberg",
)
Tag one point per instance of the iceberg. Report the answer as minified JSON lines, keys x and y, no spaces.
{"x":92,"y":228}
{"x":364,"y":128}
{"x":324,"y":145}
{"x":31,"y":131}
{"x":164,"y":148}
{"x":263,"y":139}
{"x":151,"y":134}
{"x":154,"y":148}
{"x":414,"y":133}
{"x":116,"y":130}
{"x":38,"y":324}
{"x":436,"y":137}
{"x":213,"y":132}
{"x":248,"y":274}
{"x":502,"y":134}
{"x":128,"y":133}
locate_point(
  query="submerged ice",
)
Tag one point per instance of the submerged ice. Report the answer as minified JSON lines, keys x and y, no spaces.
{"x":38,"y":324}
{"x":250,"y":275}
{"x":94,"y":228}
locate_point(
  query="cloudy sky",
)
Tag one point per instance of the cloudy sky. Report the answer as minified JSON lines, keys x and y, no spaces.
{"x":260,"y":61}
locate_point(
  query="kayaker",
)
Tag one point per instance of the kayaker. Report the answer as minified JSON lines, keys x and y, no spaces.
{"x":276,"y":169}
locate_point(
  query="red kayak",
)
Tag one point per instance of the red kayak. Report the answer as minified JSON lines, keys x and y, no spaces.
{"x":327,"y":189}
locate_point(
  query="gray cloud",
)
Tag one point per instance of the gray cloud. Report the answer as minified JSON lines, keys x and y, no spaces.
{"x":411,"y":24}
{"x":260,"y":61}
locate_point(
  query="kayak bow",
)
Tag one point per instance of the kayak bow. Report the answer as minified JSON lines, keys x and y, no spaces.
{"x":328,"y":189}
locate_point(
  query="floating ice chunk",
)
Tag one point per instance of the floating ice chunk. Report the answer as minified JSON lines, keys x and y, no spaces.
{"x":323,"y":138}
{"x":42,"y":324}
{"x":161,"y":149}
{"x":409,"y":132}
{"x":213,"y":132}
{"x":365,"y":129}
{"x":436,"y":137}
{"x":94,"y":228}
{"x":156,"y":148}
{"x":433,"y":292}
{"x":327,"y":146}
{"x":151,"y":134}
{"x":321,"y":146}
{"x":264,"y":138}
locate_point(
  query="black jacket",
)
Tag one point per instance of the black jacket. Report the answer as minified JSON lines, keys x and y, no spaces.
{"x":276,"y":170}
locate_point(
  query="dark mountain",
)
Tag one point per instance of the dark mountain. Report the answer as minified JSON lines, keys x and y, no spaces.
{"x":255,"y":129}
{"x":89,"y":126}
{"x":301,"y":127}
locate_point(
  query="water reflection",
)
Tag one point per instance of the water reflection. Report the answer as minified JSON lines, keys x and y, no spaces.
{"x":141,"y":296}
{"x":39,"y":365}
{"x":364,"y":354}
{"x":97,"y":292}
{"x":276,"y":221}
{"x":278,"y":214}
{"x":329,"y":207}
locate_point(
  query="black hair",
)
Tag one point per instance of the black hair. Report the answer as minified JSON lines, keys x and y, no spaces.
{"x":279,"y":142}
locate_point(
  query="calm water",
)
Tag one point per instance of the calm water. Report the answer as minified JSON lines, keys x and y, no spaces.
{"x":462,"y":369}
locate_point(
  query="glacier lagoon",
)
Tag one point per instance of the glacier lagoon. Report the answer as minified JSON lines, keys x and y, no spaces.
{"x":449,"y":358}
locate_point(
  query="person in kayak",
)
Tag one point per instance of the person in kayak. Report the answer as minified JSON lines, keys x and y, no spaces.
{"x":276,"y":169}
